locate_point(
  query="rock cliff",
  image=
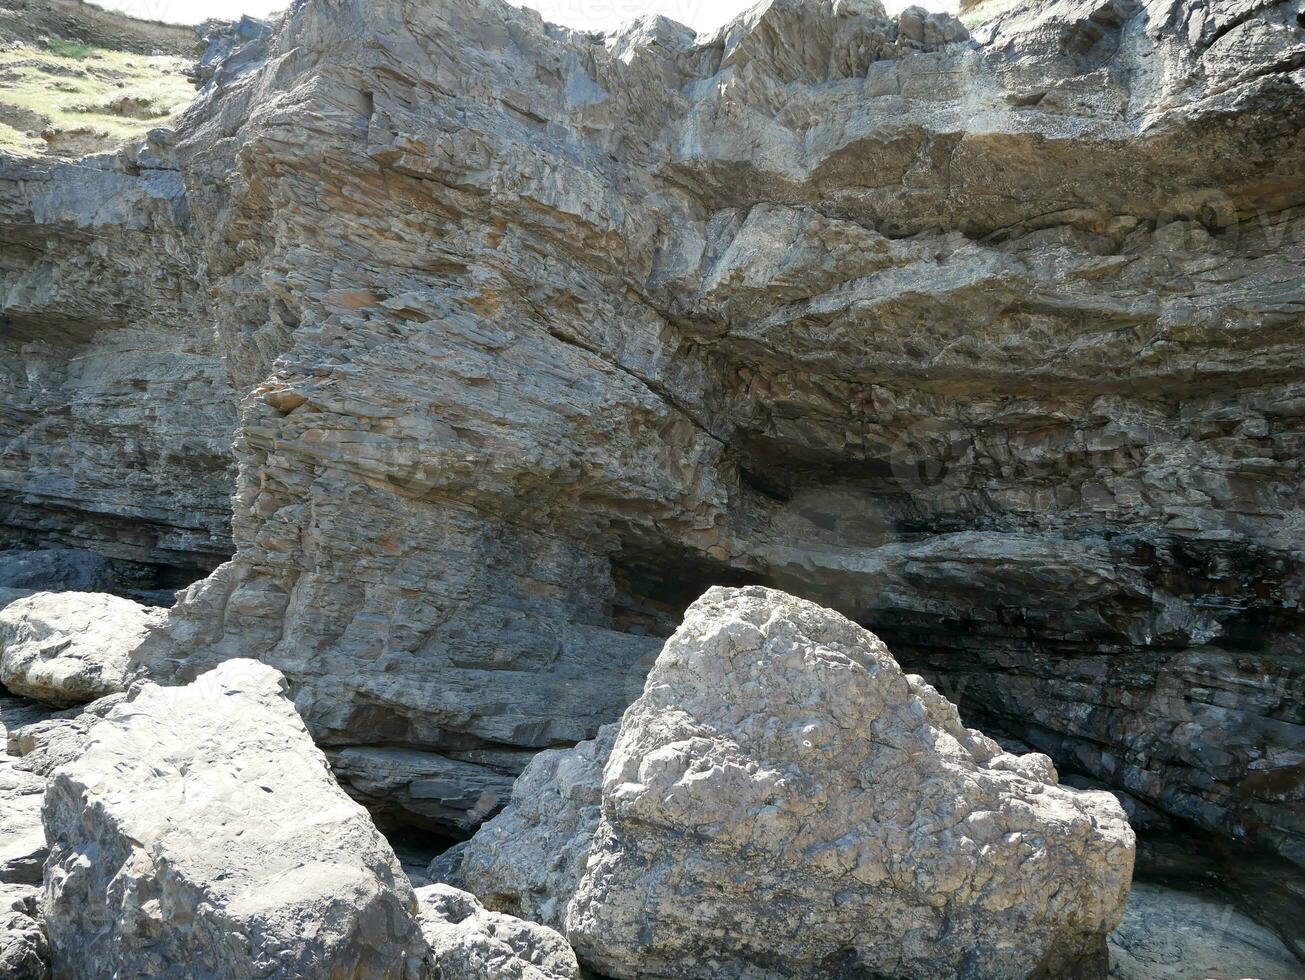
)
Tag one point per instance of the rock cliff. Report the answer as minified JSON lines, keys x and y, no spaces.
{"x":990,"y":339}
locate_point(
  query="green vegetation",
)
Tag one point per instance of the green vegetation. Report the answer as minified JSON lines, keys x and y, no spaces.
{"x":69,"y":99}
{"x":67,"y":49}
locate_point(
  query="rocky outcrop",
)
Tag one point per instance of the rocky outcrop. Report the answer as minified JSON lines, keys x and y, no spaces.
{"x":24,"y":951}
{"x":116,"y":419}
{"x":1172,"y":935}
{"x":468,"y":942}
{"x":783,"y":801}
{"x":991,"y":342}
{"x":201,"y":833}
{"x":68,"y":648}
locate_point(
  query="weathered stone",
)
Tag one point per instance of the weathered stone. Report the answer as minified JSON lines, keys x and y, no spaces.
{"x":67,"y":648}
{"x":782,"y":801}
{"x":45,"y":744}
{"x":468,"y":942}
{"x":55,"y":570}
{"x":24,"y":951}
{"x":22,"y":840}
{"x":201,"y":832}
{"x":529,"y":859}
{"x":1167,"y":934}
{"x":421,"y":788}
{"x":992,"y":342}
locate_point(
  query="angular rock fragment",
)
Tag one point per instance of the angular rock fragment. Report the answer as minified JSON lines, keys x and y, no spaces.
{"x":529,"y":859}
{"x":24,"y":951}
{"x":783,"y":801}
{"x":201,"y":833}
{"x":44,"y":745}
{"x":469,"y":942}
{"x":67,"y":648}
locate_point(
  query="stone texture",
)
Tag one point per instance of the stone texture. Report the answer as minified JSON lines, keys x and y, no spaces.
{"x":782,"y":801}
{"x":1168,"y":934}
{"x":67,"y":648}
{"x":992,"y":342}
{"x":55,"y":570}
{"x":22,"y":839}
{"x":468,"y":942}
{"x":528,"y":860}
{"x":24,"y":951}
{"x":44,"y":744}
{"x":201,"y":833}
{"x":116,"y":414}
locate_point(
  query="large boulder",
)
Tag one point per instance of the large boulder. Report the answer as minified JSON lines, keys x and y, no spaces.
{"x":45,"y":744}
{"x":67,"y":648}
{"x":201,"y":833}
{"x":469,"y":942}
{"x":22,"y":840}
{"x":24,"y":951}
{"x":783,"y":801}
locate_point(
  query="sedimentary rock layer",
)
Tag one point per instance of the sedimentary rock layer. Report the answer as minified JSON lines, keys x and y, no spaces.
{"x":991,"y":341}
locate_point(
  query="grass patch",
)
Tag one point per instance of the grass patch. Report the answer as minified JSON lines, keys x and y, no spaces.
{"x":74,"y":50}
{"x":86,"y":99}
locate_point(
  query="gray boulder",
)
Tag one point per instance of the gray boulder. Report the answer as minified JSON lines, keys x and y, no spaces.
{"x":24,"y":951}
{"x":45,"y":744}
{"x":469,"y":942}
{"x":201,"y":834}
{"x":783,"y":801}
{"x":529,"y":859}
{"x":67,"y":648}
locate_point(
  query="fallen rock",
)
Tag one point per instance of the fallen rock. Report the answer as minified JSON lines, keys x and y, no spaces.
{"x":529,"y":859}
{"x":46,"y":744}
{"x":783,"y":801}
{"x":24,"y":951}
{"x":67,"y":648}
{"x":469,"y":942}
{"x":22,"y":841}
{"x":201,"y":833}
{"x":1167,"y":934}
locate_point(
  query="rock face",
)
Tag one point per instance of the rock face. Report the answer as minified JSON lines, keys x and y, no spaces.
{"x":24,"y":951}
{"x":782,"y":801}
{"x":22,"y":839}
{"x":201,"y":833}
{"x":992,"y":342}
{"x":116,"y":415}
{"x":67,"y":648}
{"x":468,"y":942}
{"x":529,"y":859}
{"x":1173,"y":935}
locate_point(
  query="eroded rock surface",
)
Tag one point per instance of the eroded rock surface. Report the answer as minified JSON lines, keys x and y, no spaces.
{"x":117,"y":414}
{"x":22,"y":839}
{"x":991,"y":341}
{"x":1168,"y":934}
{"x":24,"y":951}
{"x":201,"y":833}
{"x":469,"y":942}
{"x":68,"y":648}
{"x":783,"y":801}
